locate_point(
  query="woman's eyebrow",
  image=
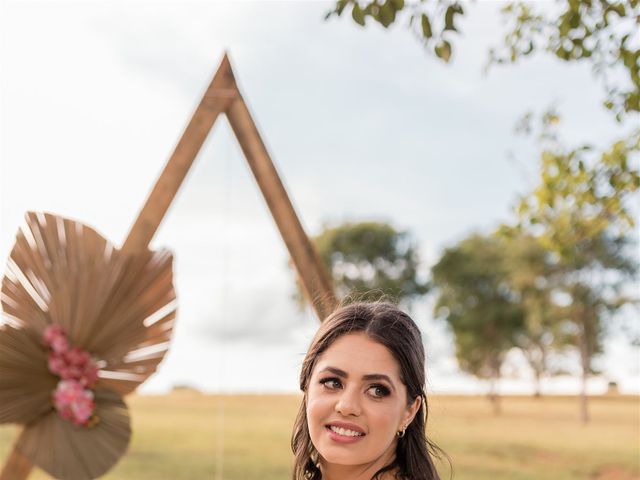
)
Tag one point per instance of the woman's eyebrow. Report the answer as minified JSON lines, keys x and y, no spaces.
{"x":335,"y":371}
{"x":377,"y":376}
{"x":370,"y":376}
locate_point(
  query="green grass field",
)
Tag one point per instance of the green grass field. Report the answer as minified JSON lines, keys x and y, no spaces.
{"x":186,"y":435}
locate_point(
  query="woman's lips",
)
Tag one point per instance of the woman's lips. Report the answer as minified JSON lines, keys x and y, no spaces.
{"x":342,"y":438}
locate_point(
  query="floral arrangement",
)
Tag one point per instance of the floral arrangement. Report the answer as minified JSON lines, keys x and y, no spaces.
{"x":73,"y":397}
{"x":83,"y":325}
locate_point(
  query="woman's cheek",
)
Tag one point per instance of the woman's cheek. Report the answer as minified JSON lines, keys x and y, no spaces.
{"x":316,"y":411}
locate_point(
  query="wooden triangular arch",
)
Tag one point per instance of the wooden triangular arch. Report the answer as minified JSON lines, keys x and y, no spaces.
{"x":222,"y":96}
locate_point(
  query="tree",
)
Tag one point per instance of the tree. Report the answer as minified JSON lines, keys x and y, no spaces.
{"x":602,"y":33}
{"x":474,"y":297}
{"x":532,"y":272}
{"x":369,"y":260}
{"x":581,"y":212}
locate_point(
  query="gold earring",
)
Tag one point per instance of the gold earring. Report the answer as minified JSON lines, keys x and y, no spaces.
{"x":401,"y":432}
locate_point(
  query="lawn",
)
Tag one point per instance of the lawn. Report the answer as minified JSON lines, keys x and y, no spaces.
{"x":187,"y":435}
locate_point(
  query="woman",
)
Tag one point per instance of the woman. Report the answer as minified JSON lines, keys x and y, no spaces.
{"x":364,"y":410}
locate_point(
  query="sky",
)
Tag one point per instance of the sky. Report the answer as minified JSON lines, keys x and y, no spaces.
{"x":361,"y":124}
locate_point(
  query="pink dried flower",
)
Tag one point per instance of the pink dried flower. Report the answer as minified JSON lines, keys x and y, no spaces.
{"x":60,"y":344}
{"x":70,"y":372}
{"x":51,"y":332}
{"x":56,"y":363}
{"x":90,"y":375}
{"x":78,"y":372}
{"x":73,"y":402}
{"x":55,"y":337}
{"x":77,"y":356}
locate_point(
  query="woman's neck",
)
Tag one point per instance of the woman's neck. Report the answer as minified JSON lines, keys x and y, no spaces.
{"x":333,"y":471}
{"x":348,"y":472}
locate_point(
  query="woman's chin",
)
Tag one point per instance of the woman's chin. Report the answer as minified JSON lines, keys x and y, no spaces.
{"x":340,"y":458}
{"x":342,"y":454}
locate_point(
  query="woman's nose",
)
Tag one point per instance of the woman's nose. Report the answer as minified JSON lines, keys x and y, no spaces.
{"x":348,"y":403}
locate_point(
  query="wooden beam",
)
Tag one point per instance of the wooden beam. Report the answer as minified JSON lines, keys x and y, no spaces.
{"x":17,"y":466}
{"x":223,"y":96}
{"x":310,"y":269}
{"x":217,"y":97}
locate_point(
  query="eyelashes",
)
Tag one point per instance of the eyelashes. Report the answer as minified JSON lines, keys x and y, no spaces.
{"x":331,"y":383}
{"x":375,"y":390}
{"x":381,"y":391}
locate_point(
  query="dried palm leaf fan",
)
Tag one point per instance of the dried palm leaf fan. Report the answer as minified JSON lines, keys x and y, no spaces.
{"x":67,"y":293}
{"x":86,"y":323}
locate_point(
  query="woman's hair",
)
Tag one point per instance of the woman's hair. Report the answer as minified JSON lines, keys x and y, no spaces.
{"x":386,"y":324}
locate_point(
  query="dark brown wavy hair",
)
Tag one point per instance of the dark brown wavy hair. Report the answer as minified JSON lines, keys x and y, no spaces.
{"x":384,"y":323}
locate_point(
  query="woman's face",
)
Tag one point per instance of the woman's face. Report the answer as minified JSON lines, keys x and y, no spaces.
{"x":356,"y":403}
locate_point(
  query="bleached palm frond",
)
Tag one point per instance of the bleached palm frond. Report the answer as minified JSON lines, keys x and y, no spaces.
{"x":119,"y":308}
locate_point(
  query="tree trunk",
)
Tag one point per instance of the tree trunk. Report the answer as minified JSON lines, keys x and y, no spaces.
{"x":537,"y":390}
{"x":494,"y":396}
{"x":584,"y":357}
{"x":536,"y":356}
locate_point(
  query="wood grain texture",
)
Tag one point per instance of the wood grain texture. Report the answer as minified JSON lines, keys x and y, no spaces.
{"x":223,"y":96}
{"x":215,"y":100}
{"x":312,"y":273}
{"x":17,"y":467}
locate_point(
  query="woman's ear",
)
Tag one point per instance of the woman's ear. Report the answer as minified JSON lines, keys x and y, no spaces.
{"x":411,"y":411}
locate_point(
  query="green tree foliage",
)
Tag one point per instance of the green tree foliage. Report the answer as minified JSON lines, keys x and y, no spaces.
{"x":475,"y":298}
{"x":581,"y":212}
{"x":601,"y":33}
{"x":370,"y":259}
{"x":434,"y":23}
{"x":533,"y":273}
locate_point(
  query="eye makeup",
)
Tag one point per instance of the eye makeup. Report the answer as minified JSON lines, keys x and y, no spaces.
{"x":376,"y":390}
{"x":381,"y":391}
{"x":371,"y":376}
{"x":331,"y":383}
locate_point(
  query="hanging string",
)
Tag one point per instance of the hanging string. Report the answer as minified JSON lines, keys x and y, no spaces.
{"x":224,"y":292}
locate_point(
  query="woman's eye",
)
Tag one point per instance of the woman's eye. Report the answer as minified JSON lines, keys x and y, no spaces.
{"x":331,"y":383}
{"x":379,"y":391}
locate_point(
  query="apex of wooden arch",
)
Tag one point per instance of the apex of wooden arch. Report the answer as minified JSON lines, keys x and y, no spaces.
{"x":223,"y":96}
{"x":223,"y":84}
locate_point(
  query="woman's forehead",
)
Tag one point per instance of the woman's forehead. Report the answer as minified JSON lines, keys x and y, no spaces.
{"x":357,"y":354}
